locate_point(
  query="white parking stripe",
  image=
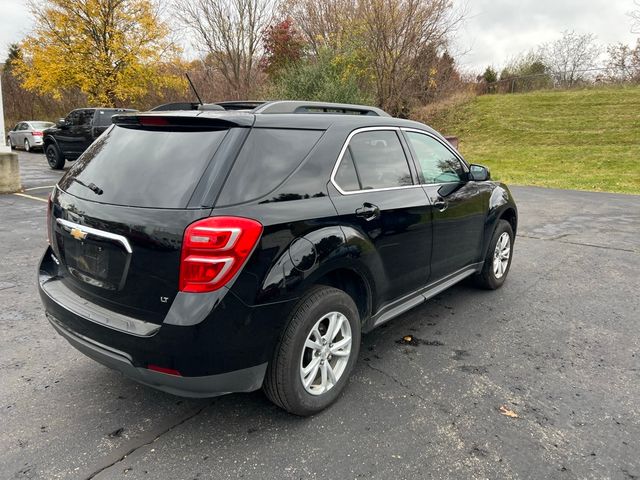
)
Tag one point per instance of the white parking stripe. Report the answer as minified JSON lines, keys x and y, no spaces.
{"x":31,"y":197}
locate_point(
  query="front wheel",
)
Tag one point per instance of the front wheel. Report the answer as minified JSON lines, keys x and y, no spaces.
{"x":498,"y":260}
{"x":10,"y":143}
{"x":54,"y":157}
{"x":316,"y":354}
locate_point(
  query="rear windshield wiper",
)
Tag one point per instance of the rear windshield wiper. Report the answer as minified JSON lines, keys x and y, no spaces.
{"x":92,"y":186}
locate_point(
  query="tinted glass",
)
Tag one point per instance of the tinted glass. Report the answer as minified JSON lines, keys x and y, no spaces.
{"x":143,"y":168}
{"x":102,"y":118}
{"x":346,"y":176}
{"x":438,"y":164}
{"x":23,"y":126}
{"x":72,"y":118}
{"x":379,"y":160}
{"x":85,"y":117}
{"x":267,"y":158}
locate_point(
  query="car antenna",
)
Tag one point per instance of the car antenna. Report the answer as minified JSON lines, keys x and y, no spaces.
{"x":193,"y":88}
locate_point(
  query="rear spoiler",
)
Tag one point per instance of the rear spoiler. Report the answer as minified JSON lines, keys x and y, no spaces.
{"x":179,"y":121}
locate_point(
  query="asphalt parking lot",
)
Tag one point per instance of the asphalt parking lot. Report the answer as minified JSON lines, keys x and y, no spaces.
{"x":558,"y":345}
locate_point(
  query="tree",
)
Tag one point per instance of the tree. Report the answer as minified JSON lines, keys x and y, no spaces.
{"x":489,"y":75}
{"x":283,"y":46}
{"x":109,"y":49}
{"x":624,"y":62}
{"x":398,"y":33}
{"x":228,"y":33}
{"x":635,"y":15}
{"x":570,"y":57}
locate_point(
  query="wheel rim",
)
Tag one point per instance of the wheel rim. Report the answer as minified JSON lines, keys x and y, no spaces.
{"x":51,"y":156}
{"x":26,"y":145}
{"x":326,"y":353}
{"x":501,"y":255}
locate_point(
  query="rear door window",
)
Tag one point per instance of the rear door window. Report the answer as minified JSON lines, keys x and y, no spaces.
{"x":143,"y":168}
{"x":373,"y":160}
{"x":267,"y":158}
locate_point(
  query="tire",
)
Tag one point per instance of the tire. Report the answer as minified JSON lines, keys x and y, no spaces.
{"x":498,"y":260}
{"x":10,"y":143}
{"x":27,"y":145}
{"x":320,"y":308}
{"x":54,"y":157}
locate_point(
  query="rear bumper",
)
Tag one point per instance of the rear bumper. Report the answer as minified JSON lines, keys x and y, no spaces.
{"x":245,"y":380}
{"x":226,"y":351}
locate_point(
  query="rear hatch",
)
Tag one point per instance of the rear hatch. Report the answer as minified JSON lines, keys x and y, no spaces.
{"x":118,"y":216}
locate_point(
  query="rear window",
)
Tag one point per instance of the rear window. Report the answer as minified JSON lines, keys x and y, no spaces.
{"x":41,"y":125}
{"x":102,"y":118}
{"x":267,"y":158}
{"x":143,"y":168}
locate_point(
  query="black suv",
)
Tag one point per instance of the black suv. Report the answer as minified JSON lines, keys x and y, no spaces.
{"x":208,"y":252}
{"x":73,"y":134}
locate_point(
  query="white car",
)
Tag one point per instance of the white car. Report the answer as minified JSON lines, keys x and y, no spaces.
{"x":28,"y":134}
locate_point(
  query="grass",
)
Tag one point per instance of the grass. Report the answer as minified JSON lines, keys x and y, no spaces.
{"x":579,"y":139}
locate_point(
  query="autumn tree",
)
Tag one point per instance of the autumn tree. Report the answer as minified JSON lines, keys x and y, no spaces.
{"x":111,"y":50}
{"x":283,"y":46}
{"x":571,"y":56}
{"x":399,"y":33}
{"x":228,"y":34}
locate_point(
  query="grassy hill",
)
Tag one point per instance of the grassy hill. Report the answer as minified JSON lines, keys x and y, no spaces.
{"x":582,"y":139}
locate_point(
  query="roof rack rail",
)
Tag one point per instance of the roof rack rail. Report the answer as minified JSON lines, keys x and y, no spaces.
{"x":296,"y":106}
{"x":240,"y":104}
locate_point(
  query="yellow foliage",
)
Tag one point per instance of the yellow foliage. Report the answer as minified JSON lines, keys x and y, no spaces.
{"x":112,"y":50}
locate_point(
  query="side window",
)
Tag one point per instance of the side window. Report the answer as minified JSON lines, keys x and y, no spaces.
{"x":373,"y":160}
{"x":267,"y":158}
{"x":437,"y":163}
{"x":72,"y":118}
{"x":85,"y":117}
{"x":23,"y":126}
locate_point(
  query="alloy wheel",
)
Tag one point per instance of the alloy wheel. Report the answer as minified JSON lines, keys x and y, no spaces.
{"x":326,"y":353}
{"x":501,"y":255}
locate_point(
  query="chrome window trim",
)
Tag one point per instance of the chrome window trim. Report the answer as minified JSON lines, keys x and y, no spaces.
{"x":344,"y":149}
{"x":98,"y":233}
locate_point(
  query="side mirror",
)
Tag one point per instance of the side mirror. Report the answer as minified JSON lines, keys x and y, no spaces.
{"x":479,"y":173}
{"x":61,"y":122}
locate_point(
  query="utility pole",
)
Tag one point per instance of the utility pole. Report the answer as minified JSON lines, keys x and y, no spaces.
{"x":9,"y":167}
{"x":3,"y":146}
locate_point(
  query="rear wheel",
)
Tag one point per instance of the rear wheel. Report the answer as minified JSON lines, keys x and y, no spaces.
{"x":54,"y":157}
{"x":498,"y":260}
{"x":316,"y":354}
{"x":27,"y":145}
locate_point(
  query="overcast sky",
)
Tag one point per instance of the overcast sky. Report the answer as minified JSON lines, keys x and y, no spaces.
{"x":495,"y":31}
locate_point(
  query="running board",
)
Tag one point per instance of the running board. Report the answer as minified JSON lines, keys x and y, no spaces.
{"x":420,"y":296}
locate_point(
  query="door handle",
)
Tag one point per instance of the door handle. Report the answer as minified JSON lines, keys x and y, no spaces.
{"x":368,"y":211}
{"x":441,"y":204}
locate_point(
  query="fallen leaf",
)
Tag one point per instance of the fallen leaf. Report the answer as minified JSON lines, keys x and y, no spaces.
{"x":407,"y":338}
{"x":507,"y":412}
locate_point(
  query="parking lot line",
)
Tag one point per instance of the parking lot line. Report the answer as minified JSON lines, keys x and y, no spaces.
{"x":31,"y":197}
{"x":38,"y":188}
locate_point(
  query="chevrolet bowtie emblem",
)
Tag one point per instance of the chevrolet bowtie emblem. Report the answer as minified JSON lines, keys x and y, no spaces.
{"x":78,"y":234}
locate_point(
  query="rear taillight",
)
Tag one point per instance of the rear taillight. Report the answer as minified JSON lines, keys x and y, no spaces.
{"x":36,"y":134}
{"x":49,"y":209}
{"x":214,"y":249}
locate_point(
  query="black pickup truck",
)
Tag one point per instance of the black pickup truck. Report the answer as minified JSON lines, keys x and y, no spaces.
{"x":72,"y":135}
